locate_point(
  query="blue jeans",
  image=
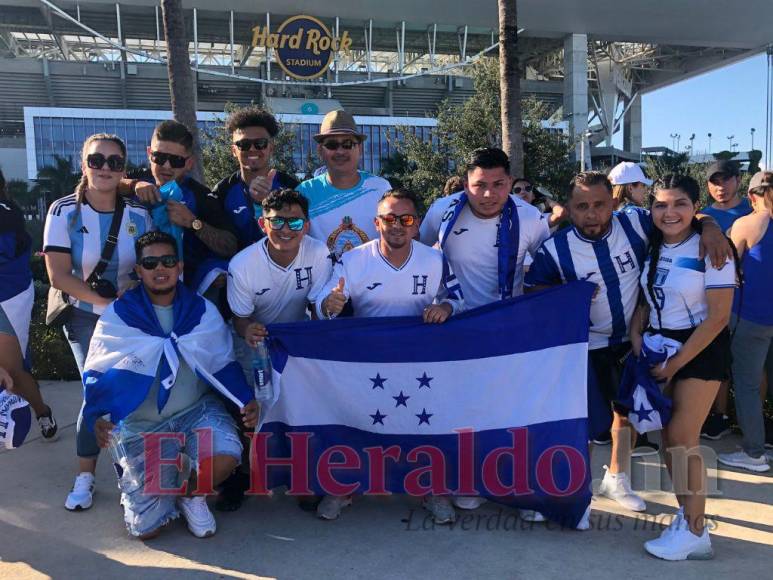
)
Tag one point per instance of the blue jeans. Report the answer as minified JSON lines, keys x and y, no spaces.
{"x":78,"y":330}
{"x":752,"y":352}
{"x":145,"y":512}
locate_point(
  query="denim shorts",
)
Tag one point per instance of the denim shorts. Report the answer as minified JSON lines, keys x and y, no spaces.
{"x":145,"y":512}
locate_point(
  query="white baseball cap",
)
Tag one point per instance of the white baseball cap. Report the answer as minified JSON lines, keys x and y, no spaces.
{"x":628,"y":172}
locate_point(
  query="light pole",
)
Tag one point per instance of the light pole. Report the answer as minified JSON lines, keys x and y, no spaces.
{"x":730,"y":141}
{"x":692,"y":139}
{"x":678,"y":139}
{"x":673,"y":140}
{"x":709,"y":143}
{"x":752,"y":132}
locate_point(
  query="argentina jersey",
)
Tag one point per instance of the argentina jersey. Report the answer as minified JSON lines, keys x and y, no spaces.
{"x":343,"y":218}
{"x":82,"y":233}
{"x":377,"y":288}
{"x":680,"y":284}
{"x":613,"y":263}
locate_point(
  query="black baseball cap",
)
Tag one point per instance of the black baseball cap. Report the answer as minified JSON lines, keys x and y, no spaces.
{"x":725,"y":167}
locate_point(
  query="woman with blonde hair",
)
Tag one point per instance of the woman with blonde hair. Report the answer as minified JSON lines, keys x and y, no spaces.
{"x":629,"y":185}
{"x":88,"y":243}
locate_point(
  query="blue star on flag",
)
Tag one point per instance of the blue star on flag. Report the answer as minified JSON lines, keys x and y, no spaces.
{"x":401,"y":399}
{"x":643,"y":414}
{"x":424,"y":381}
{"x":378,"y":417}
{"x":424,"y":416}
{"x":378,"y":382}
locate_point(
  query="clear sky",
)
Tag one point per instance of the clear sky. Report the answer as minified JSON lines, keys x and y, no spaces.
{"x":727,"y":101}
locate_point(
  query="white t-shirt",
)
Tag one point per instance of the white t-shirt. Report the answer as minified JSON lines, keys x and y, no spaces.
{"x":377,"y":288}
{"x":612,"y":262}
{"x":681,"y":281}
{"x":260,"y":289}
{"x":83,"y":235}
{"x":343,"y":218}
{"x":471,"y":250}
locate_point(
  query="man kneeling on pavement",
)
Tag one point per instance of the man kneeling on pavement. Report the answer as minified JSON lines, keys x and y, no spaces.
{"x":160,"y":356}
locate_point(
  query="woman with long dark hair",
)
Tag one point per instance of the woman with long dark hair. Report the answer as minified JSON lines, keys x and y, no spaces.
{"x":76,"y":233}
{"x":687,"y":300}
{"x":17,"y":295}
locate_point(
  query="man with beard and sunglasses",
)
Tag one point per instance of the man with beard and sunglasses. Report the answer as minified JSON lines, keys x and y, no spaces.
{"x":393,"y":275}
{"x":208,"y":236}
{"x":176,"y":401}
{"x":252,"y":133}
{"x":342,"y":200}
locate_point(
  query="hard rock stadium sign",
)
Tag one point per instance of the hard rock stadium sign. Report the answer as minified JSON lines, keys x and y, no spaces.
{"x":303,"y":45}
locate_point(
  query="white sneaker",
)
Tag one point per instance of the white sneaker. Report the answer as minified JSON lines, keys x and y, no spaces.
{"x":82,"y":494}
{"x":744,"y":461}
{"x":330,"y":507}
{"x":201,"y":522}
{"x":441,"y":509}
{"x":468,"y":502}
{"x":681,"y":544}
{"x":531,"y":516}
{"x":617,"y":487}
{"x":584,"y":523}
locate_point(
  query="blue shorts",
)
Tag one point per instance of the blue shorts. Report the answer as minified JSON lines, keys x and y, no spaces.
{"x":144,"y":512}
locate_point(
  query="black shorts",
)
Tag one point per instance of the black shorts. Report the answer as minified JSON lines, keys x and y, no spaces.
{"x":605,"y":367}
{"x":711,"y":364}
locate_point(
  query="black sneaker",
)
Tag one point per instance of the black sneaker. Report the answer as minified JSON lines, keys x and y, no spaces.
{"x":47,"y":425}
{"x":716,"y":426}
{"x":232,"y":492}
{"x":603,"y":439}
{"x":644,"y":446}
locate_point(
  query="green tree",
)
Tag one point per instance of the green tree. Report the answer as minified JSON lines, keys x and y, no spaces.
{"x":477,"y":123}
{"x":59,"y":179}
{"x":219,"y":162}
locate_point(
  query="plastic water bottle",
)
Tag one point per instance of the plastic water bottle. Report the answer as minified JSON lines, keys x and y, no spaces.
{"x":261,"y":370}
{"x":122,"y":462}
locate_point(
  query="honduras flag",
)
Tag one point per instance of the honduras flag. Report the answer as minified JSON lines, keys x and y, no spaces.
{"x":493,"y":402}
{"x":15,"y":419}
{"x":129,"y":348}
{"x":650,"y":409}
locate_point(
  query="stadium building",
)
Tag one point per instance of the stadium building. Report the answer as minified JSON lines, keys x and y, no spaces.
{"x":68,"y":69}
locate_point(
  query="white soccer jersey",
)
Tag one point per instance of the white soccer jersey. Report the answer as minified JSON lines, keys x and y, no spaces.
{"x":471,"y":249}
{"x":377,"y":288}
{"x":343,"y":218}
{"x":260,"y":289}
{"x":83,"y":235}
{"x":681,"y":281}
{"x":613,"y":263}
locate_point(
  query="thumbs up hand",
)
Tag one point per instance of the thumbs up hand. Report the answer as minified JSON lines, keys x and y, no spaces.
{"x":335,"y":301}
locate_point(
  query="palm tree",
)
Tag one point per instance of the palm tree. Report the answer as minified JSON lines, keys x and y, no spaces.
{"x":510,"y":85}
{"x":181,"y":82}
{"x":59,"y":179}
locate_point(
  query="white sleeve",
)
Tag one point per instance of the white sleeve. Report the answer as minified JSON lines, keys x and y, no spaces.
{"x":430,"y":225}
{"x":56,"y":233}
{"x":450,"y":291}
{"x":323,"y":268}
{"x":540,"y":231}
{"x":339,"y":271}
{"x":722,"y":278}
{"x":238,"y":291}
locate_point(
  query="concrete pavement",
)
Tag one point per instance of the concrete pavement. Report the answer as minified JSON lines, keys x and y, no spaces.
{"x":376,"y":538}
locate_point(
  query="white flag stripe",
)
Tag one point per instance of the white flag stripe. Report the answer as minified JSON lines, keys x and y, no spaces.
{"x":556,"y":380}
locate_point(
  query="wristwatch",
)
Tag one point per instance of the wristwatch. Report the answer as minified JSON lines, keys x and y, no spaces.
{"x":196,"y":225}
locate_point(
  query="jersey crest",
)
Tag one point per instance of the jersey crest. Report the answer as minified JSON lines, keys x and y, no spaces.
{"x":345,"y":237}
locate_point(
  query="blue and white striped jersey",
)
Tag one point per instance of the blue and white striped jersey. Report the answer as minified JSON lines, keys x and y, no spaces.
{"x":613,"y":262}
{"x":681,"y":281}
{"x":83,"y":234}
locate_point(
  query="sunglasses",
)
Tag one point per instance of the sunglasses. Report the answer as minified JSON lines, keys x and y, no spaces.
{"x":335,"y":145}
{"x":517,"y":190}
{"x":719,"y":178}
{"x":152,"y":262}
{"x":246,"y":144}
{"x":277,"y":223}
{"x":97,"y":161}
{"x":406,"y":220}
{"x":175,"y":161}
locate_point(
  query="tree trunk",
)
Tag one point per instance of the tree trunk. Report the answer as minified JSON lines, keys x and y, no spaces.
{"x":510,"y":86}
{"x":181,"y":81}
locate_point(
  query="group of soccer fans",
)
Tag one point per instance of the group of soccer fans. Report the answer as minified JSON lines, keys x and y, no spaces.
{"x":263,"y":248}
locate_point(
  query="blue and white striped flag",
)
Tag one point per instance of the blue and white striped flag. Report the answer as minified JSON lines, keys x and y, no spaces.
{"x":493,"y":402}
